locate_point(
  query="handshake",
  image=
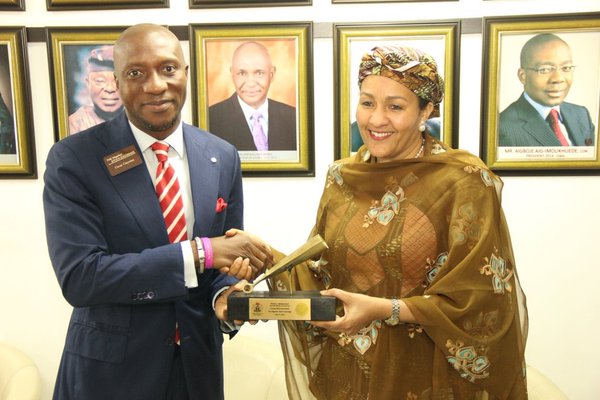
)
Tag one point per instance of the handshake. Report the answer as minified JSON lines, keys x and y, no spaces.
{"x":241,"y":254}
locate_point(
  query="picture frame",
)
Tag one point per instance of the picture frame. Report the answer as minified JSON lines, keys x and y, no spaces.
{"x":58,"y":5}
{"x":218,"y":102}
{"x":440,"y":39}
{"x":246,"y":3}
{"x":17,"y":146}
{"x":515,"y":137}
{"x":75,"y":56}
{"x":12,"y":5}
{"x":382,"y":1}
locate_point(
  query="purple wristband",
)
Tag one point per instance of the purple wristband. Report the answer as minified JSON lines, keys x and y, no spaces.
{"x":208,"y":253}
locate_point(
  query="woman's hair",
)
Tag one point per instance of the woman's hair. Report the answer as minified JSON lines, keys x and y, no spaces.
{"x":409,"y":66}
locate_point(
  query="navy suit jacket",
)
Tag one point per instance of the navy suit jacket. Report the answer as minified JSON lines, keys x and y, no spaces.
{"x":521,"y":125}
{"x":226,"y":120}
{"x":109,"y":247}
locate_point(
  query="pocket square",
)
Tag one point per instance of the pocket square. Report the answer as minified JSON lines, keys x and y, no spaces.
{"x":221,"y":205}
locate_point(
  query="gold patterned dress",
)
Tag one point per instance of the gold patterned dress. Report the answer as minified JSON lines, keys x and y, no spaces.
{"x":430,"y":231}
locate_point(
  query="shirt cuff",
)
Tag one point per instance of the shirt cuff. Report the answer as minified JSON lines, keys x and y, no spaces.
{"x":189,"y":269}
{"x":226,"y":326}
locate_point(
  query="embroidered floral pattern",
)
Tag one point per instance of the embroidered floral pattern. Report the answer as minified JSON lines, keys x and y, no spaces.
{"x":485,"y":174}
{"x":413,"y":329}
{"x":279,"y":285}
{"x":484,"y":325}
{"x":465,"y":225}
{"x":437,"y":149}
{"x":385,"y":210}
{"x":466,"y":361}
{"x":363,"y":339}
{"x":335,"y":175}
{"x":433,"y":267}
{"x":501,"y":275}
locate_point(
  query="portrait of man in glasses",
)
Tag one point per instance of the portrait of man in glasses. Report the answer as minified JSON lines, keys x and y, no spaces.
{"x":541,"y":116}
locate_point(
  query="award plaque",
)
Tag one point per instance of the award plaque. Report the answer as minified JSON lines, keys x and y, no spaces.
{"x":283,"y":305}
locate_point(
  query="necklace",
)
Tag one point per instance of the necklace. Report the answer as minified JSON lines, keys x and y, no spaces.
{"x":421,"y":148}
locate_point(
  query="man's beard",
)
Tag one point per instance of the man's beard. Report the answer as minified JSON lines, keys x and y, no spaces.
{"x":160,"y":128}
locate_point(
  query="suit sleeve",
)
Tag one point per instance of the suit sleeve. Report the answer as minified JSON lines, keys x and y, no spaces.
{"x":88,"y":271}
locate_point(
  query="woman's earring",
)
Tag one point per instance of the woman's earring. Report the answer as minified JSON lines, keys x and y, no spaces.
{"x":422,"y":127}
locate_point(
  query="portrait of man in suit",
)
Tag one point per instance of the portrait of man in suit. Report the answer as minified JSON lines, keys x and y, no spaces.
{"x":101,"y":101}
{"x":249,"y":119}
{"x":541,"y":116}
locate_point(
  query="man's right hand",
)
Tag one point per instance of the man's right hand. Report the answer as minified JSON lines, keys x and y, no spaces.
{"x":241,"y":254}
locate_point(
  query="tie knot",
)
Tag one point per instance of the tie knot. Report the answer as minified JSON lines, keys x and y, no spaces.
{"x":161,"y":149}
{"x":554,"y":114}
{"x":256,"y":116}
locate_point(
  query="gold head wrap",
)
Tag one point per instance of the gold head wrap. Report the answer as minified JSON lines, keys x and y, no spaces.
{"x":409,"y":66}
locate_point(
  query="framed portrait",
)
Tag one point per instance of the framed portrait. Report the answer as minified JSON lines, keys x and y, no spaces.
{"x":247,"y":3}
{"x":351,"y":42}
{"x":12,"y":5}
{"x":82,"y":77}
{"x":256,"y":93}
{"x":17,"y":147}
{"x":541,"y":94}
{"x":57,"y":5}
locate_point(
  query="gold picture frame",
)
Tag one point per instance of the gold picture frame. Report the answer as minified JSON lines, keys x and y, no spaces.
{"x":68,"y":52}
{"x":515,"y":138}
{"x":246,"y":3}
{"x":17,"y":146}
{"x":351,"y":41}
{"x":12,"y":5}
{"x":57,"y":5}
{"x":290,"y":114}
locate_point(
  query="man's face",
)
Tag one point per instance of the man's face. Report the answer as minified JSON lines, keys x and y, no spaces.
{"x":552,"y":88}
{"x":152,"y":80}
{"x":252,"y":74}
{"x":103,"y":90}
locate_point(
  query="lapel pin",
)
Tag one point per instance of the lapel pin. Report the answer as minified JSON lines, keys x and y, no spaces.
{"x":213,"y":159}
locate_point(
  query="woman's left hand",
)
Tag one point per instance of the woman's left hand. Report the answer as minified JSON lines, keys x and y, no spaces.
{"x":359,"y":311}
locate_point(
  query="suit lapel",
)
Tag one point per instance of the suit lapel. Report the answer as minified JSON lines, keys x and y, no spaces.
{"x":134,"y":186}
{"x":204,"y":178}
{"x":535,"y":126}
{"x":574,"y":123}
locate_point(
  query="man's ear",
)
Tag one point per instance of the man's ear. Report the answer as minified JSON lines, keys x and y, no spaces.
{"x":521,"y":75}
{"x":273,"y":70}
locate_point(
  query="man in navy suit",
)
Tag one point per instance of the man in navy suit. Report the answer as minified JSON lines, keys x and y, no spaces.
{"x":546,"y":73}
{"x":234,"y":119}
{"x":130,"y":287}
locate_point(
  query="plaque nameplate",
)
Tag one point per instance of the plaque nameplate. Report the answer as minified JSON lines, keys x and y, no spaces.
{"x":281,"y":305}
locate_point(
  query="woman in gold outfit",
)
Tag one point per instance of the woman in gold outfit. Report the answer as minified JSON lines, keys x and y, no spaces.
{"x":419,"y":256}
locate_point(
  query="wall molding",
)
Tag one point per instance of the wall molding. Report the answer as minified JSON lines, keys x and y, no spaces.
{"x":321,"y":30}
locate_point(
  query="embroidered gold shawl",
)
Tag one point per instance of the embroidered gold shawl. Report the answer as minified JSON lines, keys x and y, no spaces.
{"x":432,"y":232}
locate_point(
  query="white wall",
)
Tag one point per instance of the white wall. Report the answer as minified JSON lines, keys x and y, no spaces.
{"x":554,"y":221}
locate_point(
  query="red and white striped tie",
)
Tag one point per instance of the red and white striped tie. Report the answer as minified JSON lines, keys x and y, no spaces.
{"x":169,"y":194}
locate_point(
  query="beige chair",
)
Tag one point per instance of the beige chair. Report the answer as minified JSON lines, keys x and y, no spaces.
{"x":542,"y":388}
{"x":253,"y":369}
{"x":19,"y":376}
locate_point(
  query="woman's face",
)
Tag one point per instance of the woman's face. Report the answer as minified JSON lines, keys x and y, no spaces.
{"x":388,"y":117}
